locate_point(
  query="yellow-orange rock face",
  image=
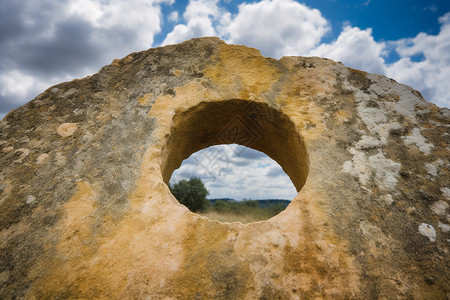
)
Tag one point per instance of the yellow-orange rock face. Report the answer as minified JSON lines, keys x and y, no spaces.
{"x":85,"y":211}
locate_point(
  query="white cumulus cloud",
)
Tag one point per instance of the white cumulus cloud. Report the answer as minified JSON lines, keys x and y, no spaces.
{"x":201,"y":9}
{"x":197,"y":27}
{"x":14,"y":83}
{"x":143,"y":17}
{"x":46,"y":42}
{"x":200,"y":16}
{"x":277,"y":28}
{"x":431,"y":73}
{"x":355,"y":48}
{"x":173,"y":16}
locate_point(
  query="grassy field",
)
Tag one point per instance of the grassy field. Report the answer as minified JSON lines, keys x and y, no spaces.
{"x":243,"y":211}
{"x":231,"y":217}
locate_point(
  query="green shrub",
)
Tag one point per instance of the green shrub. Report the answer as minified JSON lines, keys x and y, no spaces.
{"x":191,"y":193}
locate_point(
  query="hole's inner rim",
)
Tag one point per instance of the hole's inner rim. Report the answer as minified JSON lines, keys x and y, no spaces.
{"x":258,"y":126}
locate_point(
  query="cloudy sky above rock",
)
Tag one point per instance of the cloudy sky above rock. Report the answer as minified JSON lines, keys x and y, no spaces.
{"x":44,"y":42}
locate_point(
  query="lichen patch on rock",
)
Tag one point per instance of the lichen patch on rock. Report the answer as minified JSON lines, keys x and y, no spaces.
{"x":66,"y":129}
{"x":428,"y":231}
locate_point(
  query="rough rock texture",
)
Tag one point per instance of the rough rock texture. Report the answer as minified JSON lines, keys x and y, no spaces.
{"x":85,"y":211}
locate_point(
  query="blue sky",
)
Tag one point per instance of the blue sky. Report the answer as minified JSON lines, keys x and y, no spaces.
{"x":44,"y":42}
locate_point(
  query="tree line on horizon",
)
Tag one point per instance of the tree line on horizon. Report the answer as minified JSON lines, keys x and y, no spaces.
{"x":192,"y":194}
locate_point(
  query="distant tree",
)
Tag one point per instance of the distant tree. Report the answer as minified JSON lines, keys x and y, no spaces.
{"x":191,"y":193}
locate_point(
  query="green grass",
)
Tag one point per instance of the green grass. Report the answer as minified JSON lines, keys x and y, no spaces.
{"x":243,"y":211}
{"x":230,"y":217}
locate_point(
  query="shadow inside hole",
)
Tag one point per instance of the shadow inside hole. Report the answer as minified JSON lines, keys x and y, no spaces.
{"x":252,"y":124}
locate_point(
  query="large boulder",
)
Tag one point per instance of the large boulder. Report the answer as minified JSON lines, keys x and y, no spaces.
{"x":85,"y":210}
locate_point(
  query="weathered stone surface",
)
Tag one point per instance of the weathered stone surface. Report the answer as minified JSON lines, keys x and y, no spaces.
{"x":85,"y":211}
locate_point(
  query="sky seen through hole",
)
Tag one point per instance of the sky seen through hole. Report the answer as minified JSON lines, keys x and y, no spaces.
{"x":237,"y":172}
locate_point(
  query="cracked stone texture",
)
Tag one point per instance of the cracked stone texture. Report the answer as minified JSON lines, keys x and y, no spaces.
{"x":85,"y":211}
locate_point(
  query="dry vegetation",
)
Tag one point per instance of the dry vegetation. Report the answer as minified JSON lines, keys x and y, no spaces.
{"x":231,"y":217}
{"x":243,"y":211}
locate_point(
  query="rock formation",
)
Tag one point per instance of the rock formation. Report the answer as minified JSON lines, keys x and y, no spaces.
{"x":85,"y":211}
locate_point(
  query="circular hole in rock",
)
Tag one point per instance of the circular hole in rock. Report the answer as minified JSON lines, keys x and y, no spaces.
{"x":232,"y":124}
{"x":243,"y":184}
